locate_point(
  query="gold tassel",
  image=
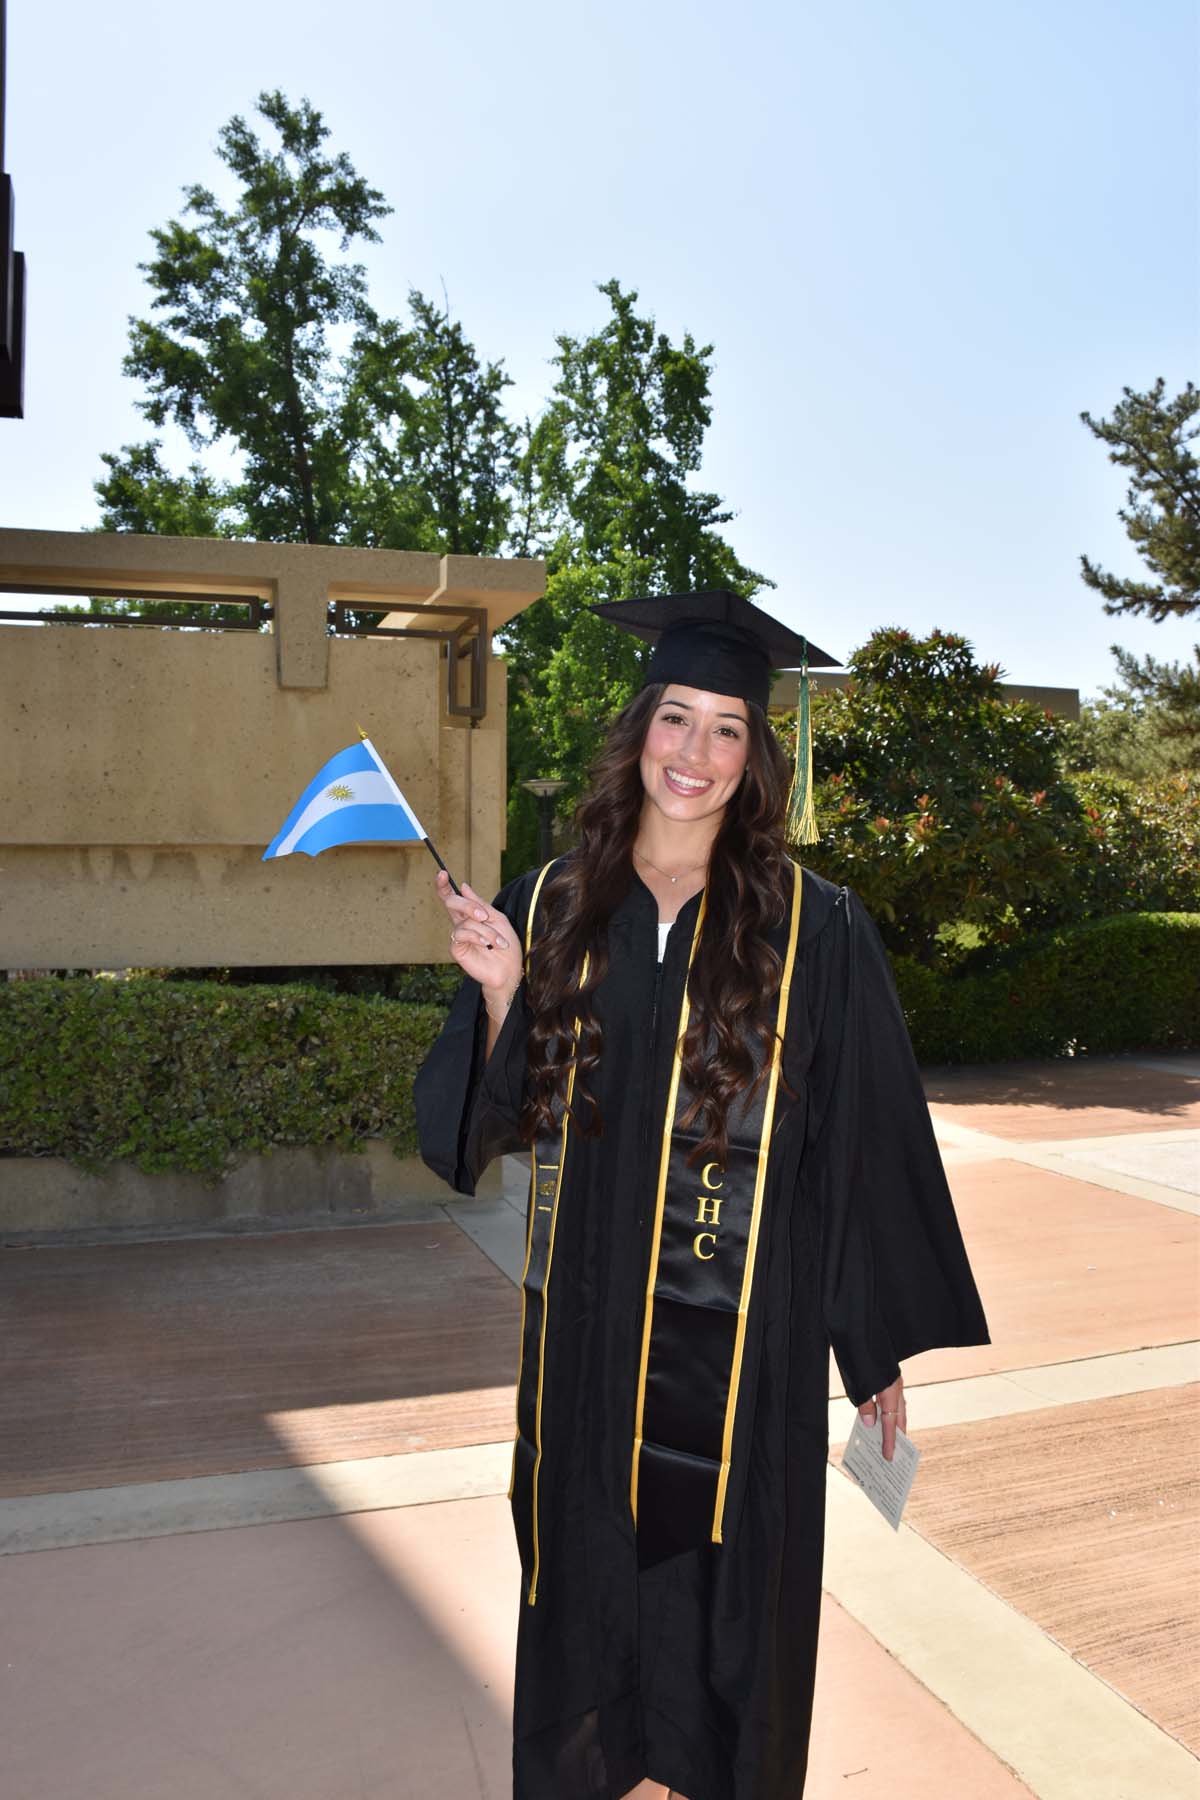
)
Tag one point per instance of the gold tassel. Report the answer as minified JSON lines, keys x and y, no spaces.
{"x":801,"y":827}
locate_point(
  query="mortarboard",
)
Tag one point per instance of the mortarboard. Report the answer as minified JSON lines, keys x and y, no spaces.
{"x":714,"y":640}
{"x":717,"y":641}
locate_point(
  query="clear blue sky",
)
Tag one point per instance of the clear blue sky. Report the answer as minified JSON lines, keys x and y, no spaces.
{"x":922,"y":238}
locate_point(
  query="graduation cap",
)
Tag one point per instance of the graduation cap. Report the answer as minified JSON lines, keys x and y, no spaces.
{"x":717,"y":641}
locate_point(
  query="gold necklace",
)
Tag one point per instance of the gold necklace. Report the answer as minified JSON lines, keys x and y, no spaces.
{"x":671,"y":878}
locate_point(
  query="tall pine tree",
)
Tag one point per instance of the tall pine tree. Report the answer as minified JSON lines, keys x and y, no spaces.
{"x":1150,"y":436}
{"x":1148,"y":722}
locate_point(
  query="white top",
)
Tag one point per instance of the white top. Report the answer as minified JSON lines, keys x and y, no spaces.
{"x":662,"y":937}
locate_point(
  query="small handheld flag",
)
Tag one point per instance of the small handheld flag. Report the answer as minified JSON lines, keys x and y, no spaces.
{"x":352,"y":800}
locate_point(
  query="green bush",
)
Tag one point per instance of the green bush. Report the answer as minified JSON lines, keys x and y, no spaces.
{"x":1143,"y":846}
{"x":1126,"y":983}
{"x":939,"y":799}
{"x":190,"y":1075}
{"x":423,"y":984}
{"x":946,"y":805}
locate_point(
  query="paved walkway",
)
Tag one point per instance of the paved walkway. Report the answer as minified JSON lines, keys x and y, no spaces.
{"x":259,"y":1546}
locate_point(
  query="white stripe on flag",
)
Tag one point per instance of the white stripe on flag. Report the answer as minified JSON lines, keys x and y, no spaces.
{"x":367,"y":788}
{"x":396,"y":794}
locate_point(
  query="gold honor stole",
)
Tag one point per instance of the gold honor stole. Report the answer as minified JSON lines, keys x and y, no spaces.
{"x":701,"y":1271}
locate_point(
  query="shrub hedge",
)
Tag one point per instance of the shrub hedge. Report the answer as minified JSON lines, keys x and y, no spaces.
{"x":422,"y":984}
{"x":189,"y":1075}
{"x":1131,"y":982}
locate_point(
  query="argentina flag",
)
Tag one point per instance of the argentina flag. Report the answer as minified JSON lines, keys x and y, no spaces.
{"x":352,"y":801}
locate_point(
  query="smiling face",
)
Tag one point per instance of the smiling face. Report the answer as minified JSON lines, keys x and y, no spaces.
{"x":694,"y":752}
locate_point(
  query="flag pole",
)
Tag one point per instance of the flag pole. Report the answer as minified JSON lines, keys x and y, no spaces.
{"x":433,"y":851}
{"x":425,"y":838}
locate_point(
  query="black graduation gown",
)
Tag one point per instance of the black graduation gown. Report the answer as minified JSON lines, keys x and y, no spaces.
{"x":697,"y":1671}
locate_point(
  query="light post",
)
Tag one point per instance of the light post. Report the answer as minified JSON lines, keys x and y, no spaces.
{"x":544,"y":790}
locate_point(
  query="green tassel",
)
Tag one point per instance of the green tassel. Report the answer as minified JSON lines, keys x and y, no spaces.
{"x":801,"y":827}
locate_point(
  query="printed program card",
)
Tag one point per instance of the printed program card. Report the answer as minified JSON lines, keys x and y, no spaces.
{"x":886,"y":1484}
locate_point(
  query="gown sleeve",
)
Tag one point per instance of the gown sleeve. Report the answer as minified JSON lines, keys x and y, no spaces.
{"x":893,"y":1271}
{"x":468,"y":1108}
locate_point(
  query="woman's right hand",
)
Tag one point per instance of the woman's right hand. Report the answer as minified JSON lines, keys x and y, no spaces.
{"x":483,"y":943}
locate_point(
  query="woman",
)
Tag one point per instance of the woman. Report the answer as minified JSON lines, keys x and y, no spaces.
{"x":733,"y":1168}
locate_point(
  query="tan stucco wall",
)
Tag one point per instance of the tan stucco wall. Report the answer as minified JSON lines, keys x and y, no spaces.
{"x":147,"y":769}
{"x":43,"y":1198}
{"x":168,"y":737}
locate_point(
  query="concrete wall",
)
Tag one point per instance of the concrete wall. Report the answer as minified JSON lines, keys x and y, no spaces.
{"x":46,"y":1198}
{"x":147,"y":769}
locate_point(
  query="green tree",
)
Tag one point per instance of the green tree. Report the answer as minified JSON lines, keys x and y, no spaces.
{"x":439,"y":462}
{"x":1149,"y":435}
{"x":938,"y":800}
{"x":1140,"y":849}
{"x":141,"y":494}
{"x":244,"y":302}
{"x":615,"y":451}
{"x":1146,"y":724}
{"x":606,"y":494}
{"x":396,"y":439}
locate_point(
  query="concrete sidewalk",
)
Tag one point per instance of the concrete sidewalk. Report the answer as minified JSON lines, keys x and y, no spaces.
{"x":259,"y":1543}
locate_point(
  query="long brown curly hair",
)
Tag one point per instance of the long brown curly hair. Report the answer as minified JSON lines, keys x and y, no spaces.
{"x":736,"y":973}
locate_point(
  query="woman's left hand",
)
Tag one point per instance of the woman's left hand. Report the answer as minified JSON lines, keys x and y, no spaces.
{"x":890,"y":1401}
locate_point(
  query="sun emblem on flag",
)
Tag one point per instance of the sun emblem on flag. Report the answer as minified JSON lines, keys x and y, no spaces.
{"x":340,"y":791}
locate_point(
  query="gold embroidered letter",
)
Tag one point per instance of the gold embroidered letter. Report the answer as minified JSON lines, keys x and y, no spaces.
{"x":704,"y":1255}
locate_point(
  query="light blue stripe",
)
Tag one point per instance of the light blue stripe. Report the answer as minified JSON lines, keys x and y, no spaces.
{"x":346,"y":762}
{"x":357,"y":825}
